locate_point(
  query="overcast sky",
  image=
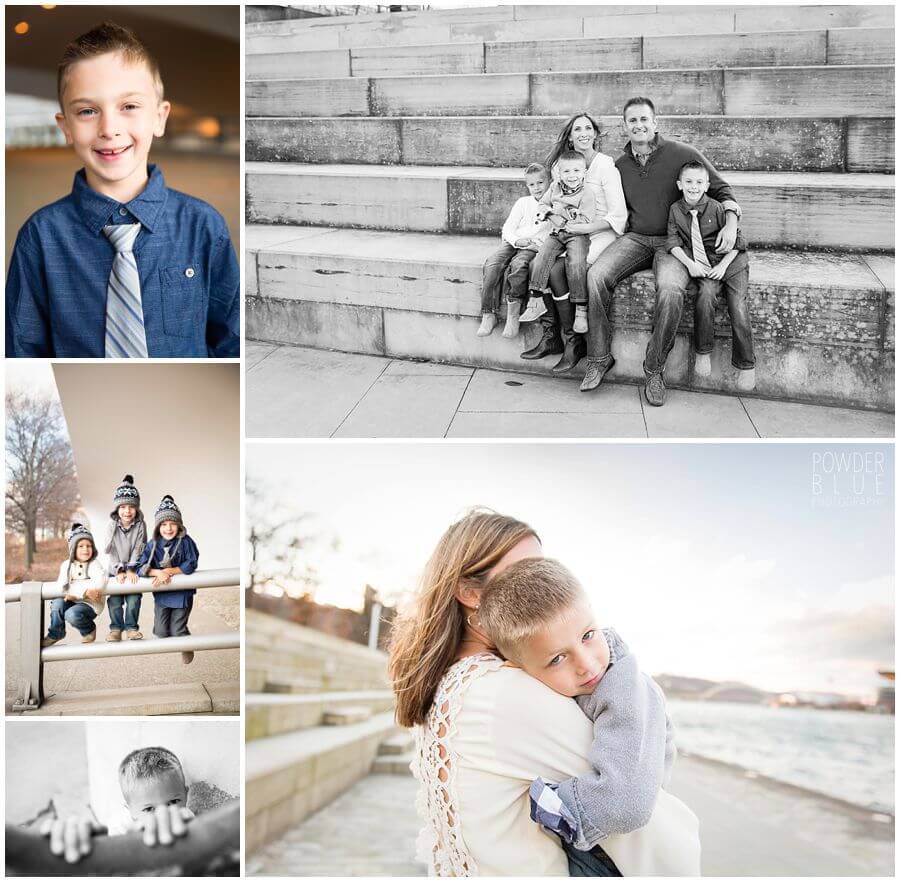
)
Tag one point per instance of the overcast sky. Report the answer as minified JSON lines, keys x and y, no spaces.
{"x":763,"y":563}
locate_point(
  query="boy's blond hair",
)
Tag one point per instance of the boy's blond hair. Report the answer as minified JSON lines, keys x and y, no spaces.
{"x":147,"y":762}
{"x":105,"y":38}
{"x":525,"y":597}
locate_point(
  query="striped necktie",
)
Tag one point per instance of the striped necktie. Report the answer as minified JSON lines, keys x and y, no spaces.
{"x":697,"y":240}
{"x":125,"y":336}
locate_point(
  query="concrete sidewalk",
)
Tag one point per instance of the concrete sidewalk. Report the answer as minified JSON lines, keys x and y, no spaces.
{"x":294,"y":392}
{"x":748,"y":827}
{"x":164,"y":676}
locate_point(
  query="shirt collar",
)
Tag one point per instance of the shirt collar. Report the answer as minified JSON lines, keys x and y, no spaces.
{"x":700,"y":204}
{"x":98,"y":210}
{"x":655,"y":144}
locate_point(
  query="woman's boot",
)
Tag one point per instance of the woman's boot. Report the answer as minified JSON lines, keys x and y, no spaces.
{"x":550,"y":343}
{"x":575,"y":344}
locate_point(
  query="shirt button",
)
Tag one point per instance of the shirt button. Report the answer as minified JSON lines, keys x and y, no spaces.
{"x":123,"y":211}
{"x":189,"y":272}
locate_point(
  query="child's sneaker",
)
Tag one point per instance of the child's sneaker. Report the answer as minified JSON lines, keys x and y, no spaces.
{"x":134,"y":635}
{"x":187,"y":657}
{"x":488,"y":322}
{"x":113,"y":636}
{"x":513,"y":308}
{"x":702,"y":365}
{"x":89,"y":638}
{"x":534,"y":310}
{"x":49,"y":641}
{"x":580,"y":325}
{"x":747,"y":380}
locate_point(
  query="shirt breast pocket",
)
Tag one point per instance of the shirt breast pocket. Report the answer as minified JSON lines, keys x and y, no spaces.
{"x":183,"y":294}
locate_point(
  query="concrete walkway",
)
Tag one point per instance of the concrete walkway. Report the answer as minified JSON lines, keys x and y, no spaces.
{"x":294,"y":392}
{"x":748,"y":827}
{"x":190,"y":686}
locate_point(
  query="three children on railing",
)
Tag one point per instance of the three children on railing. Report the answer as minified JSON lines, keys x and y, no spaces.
{"x":83,"y":578}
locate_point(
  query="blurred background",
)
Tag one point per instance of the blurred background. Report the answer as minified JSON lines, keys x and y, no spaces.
{"x":753,"y":582}
{"x":198,"y":50}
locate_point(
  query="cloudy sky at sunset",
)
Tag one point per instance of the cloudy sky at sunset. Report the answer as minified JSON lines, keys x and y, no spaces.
{"x":766,"y":563}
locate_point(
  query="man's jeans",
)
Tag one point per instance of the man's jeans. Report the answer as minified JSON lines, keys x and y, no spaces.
{"x":506,"y":269}
{"x":624,"y":257}
{"x":735,"y":284}
{"x":576,"y":264}
{"x":78,"y":614}
{"x":132,"y":604}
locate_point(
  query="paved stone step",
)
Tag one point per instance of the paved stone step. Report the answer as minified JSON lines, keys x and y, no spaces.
{"x":290,"y":776}
{"x":268,"y":714}
{"x":849,"y":212}
{"x":392,"y":765}
{"x":401,"y":743}
{"x":807,"y":47}
{"x":813,"y":91}
{"x":345,"y":716}
{"x":506,"y":23}
{"x":741,"y":143}
{"x":823,"y":323}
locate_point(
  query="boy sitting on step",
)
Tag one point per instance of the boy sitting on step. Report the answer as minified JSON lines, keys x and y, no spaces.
{"x":169,"y":553}
{"x":82,"y":577}
{"x":694,"y":224}
{"x":538,"y":616}
{"x":507,"y":268}
{"x":125,"y":540}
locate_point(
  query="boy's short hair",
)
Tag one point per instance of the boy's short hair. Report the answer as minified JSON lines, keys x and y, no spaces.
{"x":527,"y":595}
{"x":536,"y":168}
{"x":638,"y":99}
{"x":692,"y":164}
{"x":101,"y":40}
{"x":571,"y":156}
{"x":147,"y":762}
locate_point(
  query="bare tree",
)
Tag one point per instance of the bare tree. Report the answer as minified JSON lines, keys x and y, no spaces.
{"x":280,"y":539}
{"x":40,"y":468}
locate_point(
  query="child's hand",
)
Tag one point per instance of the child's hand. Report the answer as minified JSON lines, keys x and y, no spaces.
{"x":71,"y":837}
{"x":717,"y":272}
{"x":523,"y":243}
{"x":120,"y":578}
{"x":133,"y":577}
{"x":697,"y":270}
{"x":164,"y":824}
{"x":94,"y":595}
{"x":161,"y":577}
{"x":71,"y":598}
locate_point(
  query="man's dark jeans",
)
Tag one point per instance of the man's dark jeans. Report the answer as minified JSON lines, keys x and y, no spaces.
{"x":505,"y":270}
{"x":576,"y":264}
{"x":735,"y":285}
{"x":624,"y":257}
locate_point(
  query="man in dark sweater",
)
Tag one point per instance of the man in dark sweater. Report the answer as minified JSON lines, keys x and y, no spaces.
{"x":649,"y":168}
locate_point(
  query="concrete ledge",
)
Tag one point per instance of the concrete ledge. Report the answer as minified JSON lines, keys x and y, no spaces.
{"x":268,"y":715}
{"x":177,"y":698}
{"x":847,"y":212}
{"x":225,"y":697}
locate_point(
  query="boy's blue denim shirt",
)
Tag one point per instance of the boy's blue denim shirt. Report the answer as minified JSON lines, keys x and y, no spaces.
{"x":186,"y":558}
{"x":190,"y":280}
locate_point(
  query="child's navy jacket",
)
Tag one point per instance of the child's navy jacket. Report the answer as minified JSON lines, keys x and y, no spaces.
{"x":184,"y":555}
{"x":58,"y":276}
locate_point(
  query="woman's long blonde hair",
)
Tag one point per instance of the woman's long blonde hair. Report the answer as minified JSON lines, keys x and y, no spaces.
{"x":424,"y":642}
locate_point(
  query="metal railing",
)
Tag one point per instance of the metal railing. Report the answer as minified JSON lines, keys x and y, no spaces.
{"x":31,"y":595}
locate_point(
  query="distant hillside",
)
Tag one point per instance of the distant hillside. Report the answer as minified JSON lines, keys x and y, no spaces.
{"x":711,"y":690}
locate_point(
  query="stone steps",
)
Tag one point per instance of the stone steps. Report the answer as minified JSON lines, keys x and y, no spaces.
{"x":392,"y":765}
{"x":767,"y":143}
{"x":541,"y":22}
{"x":760,"y":49}
{"x":289,"y":776}
{"x":397,"y":745}
{"x":852,"y":212}
{"x":823,"y":323}
{"x":799,"y":91}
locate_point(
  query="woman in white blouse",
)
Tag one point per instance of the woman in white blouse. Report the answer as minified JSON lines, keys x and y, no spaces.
{"x":484,"y":729}
{"x":582,"y":134}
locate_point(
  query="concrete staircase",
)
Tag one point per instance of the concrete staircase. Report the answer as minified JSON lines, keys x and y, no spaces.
{"x":304,"y":749}
{"x":384,"y":150}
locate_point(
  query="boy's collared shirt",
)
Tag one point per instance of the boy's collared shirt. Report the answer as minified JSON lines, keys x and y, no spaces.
{"x":190,"y":281}
{"x":711,"y":218}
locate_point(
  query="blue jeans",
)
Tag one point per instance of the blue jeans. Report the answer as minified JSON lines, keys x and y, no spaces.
{"x":506,"y":269}
{"x":78,"y":614}
{"x":576,"y":247}
{"x":132,"y":604}
{"x":624,"y":257}
{"x":735,"y":285}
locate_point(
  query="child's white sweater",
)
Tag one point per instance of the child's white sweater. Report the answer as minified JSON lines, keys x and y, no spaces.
{"x":75,"y":578}
{"x":523,"y":223}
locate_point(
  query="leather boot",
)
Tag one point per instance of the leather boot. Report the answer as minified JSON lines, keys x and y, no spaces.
{"x":551,"y":342}
{"x":575,"y":344}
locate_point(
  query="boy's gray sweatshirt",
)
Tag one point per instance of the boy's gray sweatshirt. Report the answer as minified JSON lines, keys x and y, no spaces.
{"x":124,"y":547}
{"x":631,"y":754}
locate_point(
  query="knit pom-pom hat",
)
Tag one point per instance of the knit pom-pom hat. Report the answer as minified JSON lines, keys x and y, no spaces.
{"x":75,"y":535}
{"x":126,"y":494}
{"x":167,"y":510}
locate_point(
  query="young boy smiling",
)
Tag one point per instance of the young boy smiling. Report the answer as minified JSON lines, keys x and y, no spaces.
{"x":122,"y":267}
